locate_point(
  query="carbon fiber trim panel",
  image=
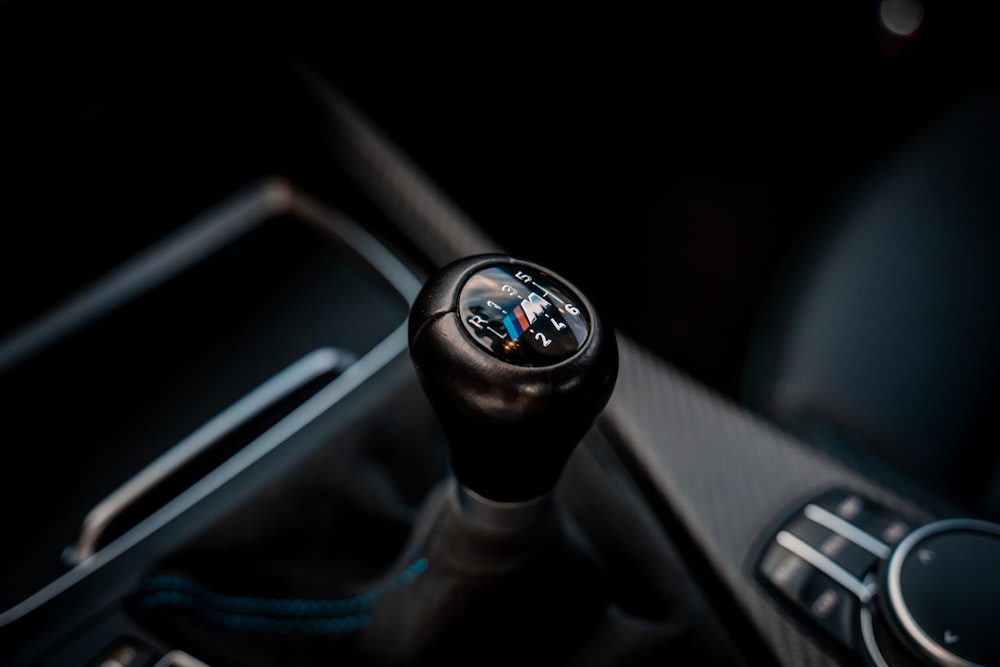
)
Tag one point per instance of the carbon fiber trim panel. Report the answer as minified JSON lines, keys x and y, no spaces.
{"x":416,"y":204}
{"x":728,"y":475}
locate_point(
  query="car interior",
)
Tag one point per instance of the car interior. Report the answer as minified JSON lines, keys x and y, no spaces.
{"x":573,"y":338}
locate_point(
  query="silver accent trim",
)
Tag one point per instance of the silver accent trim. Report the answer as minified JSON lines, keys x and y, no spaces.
{"x":366,"y":245}
{"x":861,"y":590}
{"x":178,"y":659}
{"x":278,"y":197}
{"x":934,"y":650}
{"x":312,"y":366}
{"x":498,"y":515}
{"x":177,"y":251}
{"x":848,"y":530}
{"x":868,"y":636}
{"x":393,"y":181}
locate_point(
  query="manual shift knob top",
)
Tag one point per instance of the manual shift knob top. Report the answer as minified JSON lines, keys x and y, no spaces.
{"x":517,"y":364}
{"x":527,"y":318}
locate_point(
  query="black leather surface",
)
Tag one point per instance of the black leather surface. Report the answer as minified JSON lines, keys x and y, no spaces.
{"x":359,"y":556}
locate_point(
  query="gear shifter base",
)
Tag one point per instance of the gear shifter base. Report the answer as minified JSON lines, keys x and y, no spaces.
{"x":491,"y":593}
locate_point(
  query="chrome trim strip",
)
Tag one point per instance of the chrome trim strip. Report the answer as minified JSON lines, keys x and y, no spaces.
{"x":278,"y":196}
{"x":868,"y":636}
{"x":400,"y":277}
{"x":500,"y":515}
{"x":861,"y":590}
{"x":934,"y":650}
{"x":393,"y":181}
{"x":848,"y":530}
{"x":312,"y":366}
{"x":178,"y":659}
{"x":382,"y":354}
{"x":148,"y":268}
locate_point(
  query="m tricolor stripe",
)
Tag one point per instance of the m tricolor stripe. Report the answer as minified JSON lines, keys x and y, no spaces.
{"x":516,"y":323}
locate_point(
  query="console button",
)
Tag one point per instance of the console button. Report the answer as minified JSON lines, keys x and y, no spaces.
{"x":866,"y":515}
{"x":831,"y":606}
{"x":833,"y":545}
{"x":813,"y":593}
{"x":124,"y":653}
{"x":785,"y":571}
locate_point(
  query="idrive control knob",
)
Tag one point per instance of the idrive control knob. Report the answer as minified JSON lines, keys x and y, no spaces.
{"x":517,"y":365}
{"x":939,"y":598}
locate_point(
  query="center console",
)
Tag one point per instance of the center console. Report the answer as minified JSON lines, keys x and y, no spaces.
{"x":183,"y":379}
{"x":230,"y":459}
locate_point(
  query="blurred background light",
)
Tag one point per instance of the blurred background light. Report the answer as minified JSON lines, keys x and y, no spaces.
{"x":901,"y":17}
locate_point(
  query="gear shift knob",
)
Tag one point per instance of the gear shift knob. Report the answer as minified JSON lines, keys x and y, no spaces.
{"x":517,"y":365}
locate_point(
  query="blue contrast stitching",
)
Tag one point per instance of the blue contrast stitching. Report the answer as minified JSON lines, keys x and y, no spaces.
{"x":271,"y":614}
{"x":247,"y":622}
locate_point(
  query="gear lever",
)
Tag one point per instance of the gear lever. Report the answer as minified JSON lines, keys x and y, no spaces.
{"x":517,"y":365}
